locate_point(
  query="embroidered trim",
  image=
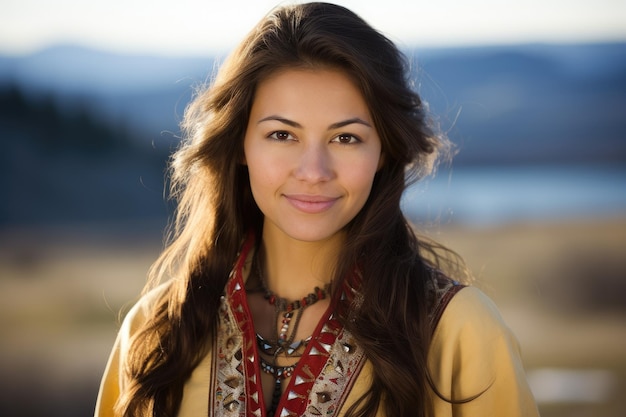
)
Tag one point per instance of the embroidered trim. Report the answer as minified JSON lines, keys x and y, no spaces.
{"x":320,"y":382}
{"x":335,"y":382}
{"x":235,"y":386}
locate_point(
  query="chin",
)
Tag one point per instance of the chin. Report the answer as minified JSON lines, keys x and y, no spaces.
{"x":313,"y":234}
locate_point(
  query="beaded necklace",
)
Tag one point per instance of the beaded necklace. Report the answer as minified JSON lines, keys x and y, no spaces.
{"x":284,"y":344}
{"x":289,"y":311}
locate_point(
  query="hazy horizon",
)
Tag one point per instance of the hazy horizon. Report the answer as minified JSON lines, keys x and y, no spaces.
{"x":192,"y":28}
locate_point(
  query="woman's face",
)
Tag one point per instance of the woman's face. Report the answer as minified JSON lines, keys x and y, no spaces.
{"x":312,"y":151}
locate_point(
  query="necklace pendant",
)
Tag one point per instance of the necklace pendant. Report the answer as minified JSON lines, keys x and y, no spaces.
{"x":291,"y":349}
{"x":265,"y":346}
{"x":284,"y":328}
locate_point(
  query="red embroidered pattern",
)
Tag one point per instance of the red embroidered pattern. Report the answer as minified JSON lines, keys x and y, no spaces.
{"x":319,"y":384}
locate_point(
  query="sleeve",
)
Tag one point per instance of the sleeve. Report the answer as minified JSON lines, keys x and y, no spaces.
{"x":475,"y":364}
{"x":112,"y":383}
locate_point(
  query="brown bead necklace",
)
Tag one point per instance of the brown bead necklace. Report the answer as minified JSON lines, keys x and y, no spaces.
{"x":291,"y":313}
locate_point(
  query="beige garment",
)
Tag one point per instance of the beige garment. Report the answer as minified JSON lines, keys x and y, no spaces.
{"x":473,"y":353}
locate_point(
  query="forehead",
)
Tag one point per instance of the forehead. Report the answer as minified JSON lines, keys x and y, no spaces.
{"x":310,"y":90}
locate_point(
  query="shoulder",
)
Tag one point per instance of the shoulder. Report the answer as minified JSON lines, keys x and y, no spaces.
{"x":466,"y":341}
{"x":462,"y":311}
{"x":474,"y":355}
{"x":469,"y":325}
{"x":470,"y":309}
{"x":113,"y":380}
{"x":143,"y":310}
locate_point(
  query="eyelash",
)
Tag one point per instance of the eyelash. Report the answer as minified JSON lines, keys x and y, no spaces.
{"x":274,"y":135}
{"x":337,"y":139}
{"x":353,"y":139}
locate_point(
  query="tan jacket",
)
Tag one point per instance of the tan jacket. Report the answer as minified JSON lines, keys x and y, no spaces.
{"x":472,"y":352}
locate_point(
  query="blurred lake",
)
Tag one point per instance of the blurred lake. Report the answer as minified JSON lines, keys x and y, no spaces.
{"x":497,"y":195}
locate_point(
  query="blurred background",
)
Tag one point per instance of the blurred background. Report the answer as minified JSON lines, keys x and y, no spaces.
{"x":533,"y":94}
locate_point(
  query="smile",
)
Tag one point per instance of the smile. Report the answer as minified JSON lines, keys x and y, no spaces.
{"x":311,"y":204}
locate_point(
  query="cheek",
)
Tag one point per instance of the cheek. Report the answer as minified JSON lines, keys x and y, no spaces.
{"x":360,"y":177}
{"x":265,"y":176}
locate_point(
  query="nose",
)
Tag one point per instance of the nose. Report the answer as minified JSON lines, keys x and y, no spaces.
{"x":314,"y":164}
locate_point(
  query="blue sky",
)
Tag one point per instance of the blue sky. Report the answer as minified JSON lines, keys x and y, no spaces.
{"x":187,"y":27}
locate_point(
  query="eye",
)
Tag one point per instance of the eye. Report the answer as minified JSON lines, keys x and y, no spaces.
{"x":346,"y":139}
{"x":281,"y":135}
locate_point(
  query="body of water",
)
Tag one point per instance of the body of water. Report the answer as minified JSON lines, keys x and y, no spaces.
{"x":497,"y":195}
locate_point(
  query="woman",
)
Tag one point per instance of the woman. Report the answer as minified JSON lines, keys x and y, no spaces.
{"x":297,"y":286}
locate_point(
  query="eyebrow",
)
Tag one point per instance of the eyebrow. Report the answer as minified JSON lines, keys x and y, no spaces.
{"x":297,"y":125}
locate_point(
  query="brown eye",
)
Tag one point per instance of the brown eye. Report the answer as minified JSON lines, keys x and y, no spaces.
{"x":346,"y":139}
{"x":281,"y":135}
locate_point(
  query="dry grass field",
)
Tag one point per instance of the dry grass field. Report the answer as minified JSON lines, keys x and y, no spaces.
{"x":560,"y":286}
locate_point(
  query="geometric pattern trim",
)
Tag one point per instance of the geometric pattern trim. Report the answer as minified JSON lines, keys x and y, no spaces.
{"x":319,"y":384}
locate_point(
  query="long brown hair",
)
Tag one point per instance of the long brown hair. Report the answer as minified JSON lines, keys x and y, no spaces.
{"x":216,"y":210}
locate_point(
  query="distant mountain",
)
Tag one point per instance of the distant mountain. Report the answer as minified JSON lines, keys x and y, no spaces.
{"x":147,"y":93}
{"x":515,"y":104}
{"x":530,"y":104}
{"x":69,"y":69}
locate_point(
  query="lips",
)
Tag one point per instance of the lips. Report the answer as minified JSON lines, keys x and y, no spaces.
{"x":311,"y":204}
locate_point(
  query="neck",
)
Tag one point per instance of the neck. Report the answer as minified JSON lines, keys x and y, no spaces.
{"x":293,"y":268}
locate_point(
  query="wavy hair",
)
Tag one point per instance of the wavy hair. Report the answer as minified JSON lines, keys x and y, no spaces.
{"x":216,"y":210}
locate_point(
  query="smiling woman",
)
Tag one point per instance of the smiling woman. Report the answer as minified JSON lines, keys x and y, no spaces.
{"x":297,"y":285}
